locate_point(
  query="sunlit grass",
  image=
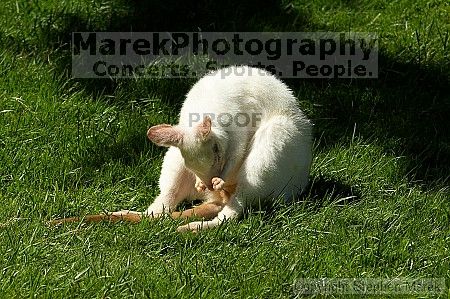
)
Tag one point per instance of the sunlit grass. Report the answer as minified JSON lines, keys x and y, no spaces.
{"x":378,"y":204}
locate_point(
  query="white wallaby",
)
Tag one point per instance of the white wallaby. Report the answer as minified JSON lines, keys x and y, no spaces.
{"x":241,"y":140}
{"x":241,"y":131}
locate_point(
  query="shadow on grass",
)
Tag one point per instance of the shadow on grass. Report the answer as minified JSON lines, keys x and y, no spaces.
{"x":321,"y":191}
{"x":405,"y":111}
{"x":322,"y":187}
{"x":126,"y":150}
{"x":55,"y":32}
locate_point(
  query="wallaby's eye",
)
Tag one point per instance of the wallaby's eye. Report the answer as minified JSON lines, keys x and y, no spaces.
{"x":215,"y":148}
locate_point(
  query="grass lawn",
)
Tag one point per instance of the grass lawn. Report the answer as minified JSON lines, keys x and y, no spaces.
{"x":379,"y":201}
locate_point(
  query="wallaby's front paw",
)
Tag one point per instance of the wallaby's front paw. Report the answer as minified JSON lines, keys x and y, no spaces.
{"x":217,"y":183}
{"x":200,"y":186}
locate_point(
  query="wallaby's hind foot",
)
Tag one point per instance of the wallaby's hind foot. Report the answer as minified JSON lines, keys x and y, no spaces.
{"x":205,"y":210}
{"x":213,"y":213}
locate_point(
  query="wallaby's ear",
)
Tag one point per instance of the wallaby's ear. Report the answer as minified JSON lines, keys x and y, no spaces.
{"x":165,"y":135}
{"x":204,"y":128}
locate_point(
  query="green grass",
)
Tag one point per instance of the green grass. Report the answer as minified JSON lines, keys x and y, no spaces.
{"x":378,"y":205}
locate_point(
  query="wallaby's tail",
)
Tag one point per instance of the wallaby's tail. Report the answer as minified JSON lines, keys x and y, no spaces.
{"x":124,"y":215}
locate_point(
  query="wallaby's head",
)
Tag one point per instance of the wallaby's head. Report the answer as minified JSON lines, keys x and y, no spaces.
{"x":202,"y":149}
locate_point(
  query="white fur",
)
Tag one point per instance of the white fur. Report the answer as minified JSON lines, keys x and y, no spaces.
{"x":268,"y":160}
